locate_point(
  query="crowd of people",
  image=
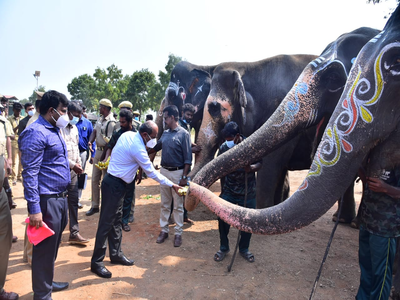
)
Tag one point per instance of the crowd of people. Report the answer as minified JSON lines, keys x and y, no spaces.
{"x":48,"y":149}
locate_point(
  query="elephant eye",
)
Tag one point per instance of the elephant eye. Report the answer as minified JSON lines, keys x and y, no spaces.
{"x":392,"y":64}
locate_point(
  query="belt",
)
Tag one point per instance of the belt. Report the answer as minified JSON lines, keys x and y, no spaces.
{"x":59,"y":195}
{"x":116,"y":178}
{"x":173,"y":168}
{"x":100,"y":148}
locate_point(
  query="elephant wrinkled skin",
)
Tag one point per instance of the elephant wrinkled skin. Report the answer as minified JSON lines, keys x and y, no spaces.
{"x":366,"y":116}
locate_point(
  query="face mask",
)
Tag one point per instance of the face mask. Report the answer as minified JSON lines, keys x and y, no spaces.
{"x":31,"y":113}
{"x":74,"y":120}
{"x":137,"y":118}
{"x":230,"y":144}
{"x":152,"y":143}
{"x":62,"y":121}
{"x":186,"y":122}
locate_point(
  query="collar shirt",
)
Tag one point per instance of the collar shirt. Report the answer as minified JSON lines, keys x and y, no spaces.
{"x":14,"y":124}
{"x":45,"y":164}
{"x":71,"y":137}
{"x":104,"y":124}
{"x":128,"y":155}
{"x":176,"y":148}
{"x":5,"y":131}
{"x":33,"y":118}
{"x":184,"y":125}
{"x":85,"y":129}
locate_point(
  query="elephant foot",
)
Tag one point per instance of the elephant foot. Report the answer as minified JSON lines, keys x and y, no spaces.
{"x":395,"y":295}
{"x":343,"y":219}
{"x":355,"y":223}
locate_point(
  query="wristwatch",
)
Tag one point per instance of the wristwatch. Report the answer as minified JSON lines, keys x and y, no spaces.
{"x":184,"y":177}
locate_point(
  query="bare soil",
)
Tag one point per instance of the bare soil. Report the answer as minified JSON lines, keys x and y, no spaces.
{"x":285,"y":266}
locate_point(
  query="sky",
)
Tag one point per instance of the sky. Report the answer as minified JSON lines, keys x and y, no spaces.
{"x":65,"y":39}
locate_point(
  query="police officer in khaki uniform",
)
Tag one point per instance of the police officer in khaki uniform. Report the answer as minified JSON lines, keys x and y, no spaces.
{"x":102,"y":133}
{"x":123,"y":105}
{"x":136,"y":120}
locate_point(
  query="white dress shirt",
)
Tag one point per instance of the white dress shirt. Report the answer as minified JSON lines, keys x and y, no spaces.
{"x":128,"y":155}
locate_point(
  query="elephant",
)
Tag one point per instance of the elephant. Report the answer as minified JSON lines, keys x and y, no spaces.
{"x":310,"y":102}
{"x":248,"y":93}
{"x":189,"y":83}
{"x":364,"y":124}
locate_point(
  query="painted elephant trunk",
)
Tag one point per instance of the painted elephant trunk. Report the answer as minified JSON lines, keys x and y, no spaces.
{"x":275,"y":132}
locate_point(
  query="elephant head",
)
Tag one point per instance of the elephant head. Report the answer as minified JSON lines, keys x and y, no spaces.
{"x":188,"y":84}
{"x":367,"y":115}
{"x":247,"y":93}
{"x":311,"y":101}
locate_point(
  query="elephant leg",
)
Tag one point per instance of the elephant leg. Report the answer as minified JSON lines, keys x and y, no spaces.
{"x":348,"y":212}
{"x":272,"y":182}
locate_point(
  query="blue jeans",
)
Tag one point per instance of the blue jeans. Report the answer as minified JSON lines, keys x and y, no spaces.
{"x":376,"y":257}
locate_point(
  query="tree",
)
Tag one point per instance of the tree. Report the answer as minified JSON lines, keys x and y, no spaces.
{"x":32,"y":98}
{"x":83,"y":88}
{"x":139,"y":87}
{"x":110,"y":84}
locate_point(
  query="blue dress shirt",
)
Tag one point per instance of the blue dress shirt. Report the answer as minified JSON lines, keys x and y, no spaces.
{"x":44,"y":158}
{"x":85,"y":129}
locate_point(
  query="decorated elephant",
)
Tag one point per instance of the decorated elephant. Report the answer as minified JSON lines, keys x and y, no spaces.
{"x":365,"y":121}
{"x":310,"y":102}
{"x":248,"y":93}
{"x":189,"y":84}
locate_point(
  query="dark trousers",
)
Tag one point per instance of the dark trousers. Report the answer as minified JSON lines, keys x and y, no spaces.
{"x":5,"y":236}
{"x":128,"y":199}
{"x":73,"y":205}
{"x":113,"y":192}
{"x":376,"y":257}
{"x":223,"y":227}
{"x":54,"y":214}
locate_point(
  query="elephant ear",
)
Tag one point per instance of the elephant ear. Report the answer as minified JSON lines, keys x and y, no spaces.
{"x":241,"y":94}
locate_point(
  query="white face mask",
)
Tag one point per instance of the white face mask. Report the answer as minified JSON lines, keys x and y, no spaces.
{"x":152,"y":143}
{"x":62,"y":121}
{"x":230,"y":144}
{"x":31,"y":112}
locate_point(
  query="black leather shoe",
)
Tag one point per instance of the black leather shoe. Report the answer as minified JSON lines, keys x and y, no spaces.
{"x":123,"y":260}
{"x":59,"y":286}
{"x":161,"y":238}
{"x":92,"y":211}
{"x":101,"y":271}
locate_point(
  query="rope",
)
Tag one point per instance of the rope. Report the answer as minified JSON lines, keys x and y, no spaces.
{"x":239,"y":232}
{"x":327,"y":250}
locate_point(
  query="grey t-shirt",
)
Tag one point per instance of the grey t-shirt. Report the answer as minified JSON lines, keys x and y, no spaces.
{"x":176,"y":148}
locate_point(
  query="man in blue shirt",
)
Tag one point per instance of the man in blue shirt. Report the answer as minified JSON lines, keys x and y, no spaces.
{"x":85,"y":129}
{"x":46,"y":176}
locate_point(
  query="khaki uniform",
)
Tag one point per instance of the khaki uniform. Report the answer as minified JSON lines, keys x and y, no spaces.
{"x":103,"y":124}
{"x":16,"y":169}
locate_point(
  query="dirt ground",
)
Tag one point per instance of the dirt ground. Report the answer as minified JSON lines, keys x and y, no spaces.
{"x":285,"y":266}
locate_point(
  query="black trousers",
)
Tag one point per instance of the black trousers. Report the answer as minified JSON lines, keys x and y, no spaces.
{"x":54,"y":214}
{"x":73,"y":200}
{"x":113,"y":191}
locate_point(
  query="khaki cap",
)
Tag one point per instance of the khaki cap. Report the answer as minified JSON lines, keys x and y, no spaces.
{"x":106,"y":102}
{"x":39,"y":95}
{"x":136,"y":113}
{"x":125,"y":104}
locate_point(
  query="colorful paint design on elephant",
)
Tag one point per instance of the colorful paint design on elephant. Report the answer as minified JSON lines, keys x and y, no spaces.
{"x":354,"y":109}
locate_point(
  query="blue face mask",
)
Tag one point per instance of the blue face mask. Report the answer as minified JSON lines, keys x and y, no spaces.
{"x":230,"y":144}
{"x":137,"y":118}
{"x":74,"y":120}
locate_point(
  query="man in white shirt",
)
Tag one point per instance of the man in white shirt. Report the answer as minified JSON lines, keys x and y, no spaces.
{"x":127,"y":156}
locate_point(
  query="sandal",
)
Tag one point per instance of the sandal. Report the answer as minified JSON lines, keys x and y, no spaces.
{"x":220,"y":255}
{"x":126,"y":227}
{"x":247,"y":256}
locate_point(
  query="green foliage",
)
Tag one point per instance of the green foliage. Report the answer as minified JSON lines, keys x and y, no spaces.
{"x":141,"y":88}
{"x":32,"y":98}
{"x":83,"y":88}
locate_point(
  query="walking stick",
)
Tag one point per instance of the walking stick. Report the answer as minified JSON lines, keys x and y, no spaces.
{"x":238,"y":237}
